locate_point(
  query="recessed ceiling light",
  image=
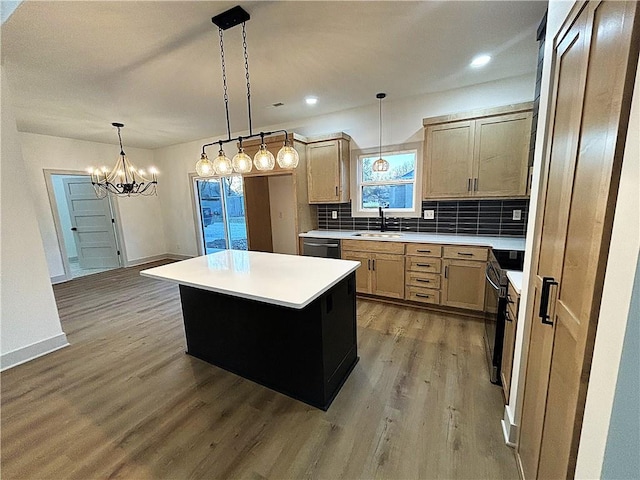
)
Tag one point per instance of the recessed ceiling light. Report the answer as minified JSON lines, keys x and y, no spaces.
{"x":480,"y":61}
{"x":311,"y":100}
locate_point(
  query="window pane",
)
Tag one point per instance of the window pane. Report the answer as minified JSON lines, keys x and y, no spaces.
{"x":387,"y":196}
{"x":401,"y":166}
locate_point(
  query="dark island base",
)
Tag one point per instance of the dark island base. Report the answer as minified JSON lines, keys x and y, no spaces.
{"x":306,"y":353}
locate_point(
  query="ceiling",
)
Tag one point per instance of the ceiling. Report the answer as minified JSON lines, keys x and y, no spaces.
{"x":75,"y":67}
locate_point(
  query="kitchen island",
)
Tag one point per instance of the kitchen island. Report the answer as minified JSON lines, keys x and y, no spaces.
{"x":287,"y":322}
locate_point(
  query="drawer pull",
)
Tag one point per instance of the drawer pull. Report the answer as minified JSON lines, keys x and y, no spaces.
{"x":424,"y":251}
{"x":422,"y":295}
{"x":423,"y":264}
{"x":465,"y":254}
{"x":422,"y":280}
{"x":509,"y":299}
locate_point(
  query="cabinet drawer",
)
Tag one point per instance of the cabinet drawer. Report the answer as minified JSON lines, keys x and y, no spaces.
{"x":513,"y":299}
{"x":465,"y":253}
{"x":424,"y":264}
{"x":424,"y":295}
{"x":373,"y":246}
{"x":511,"y":314}
{"x":424,"y":280}
{"x":424,"y":249}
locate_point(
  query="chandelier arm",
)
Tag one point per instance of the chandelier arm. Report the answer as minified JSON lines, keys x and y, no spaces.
{"x":246,"y":68}
{"x":224,"y":83}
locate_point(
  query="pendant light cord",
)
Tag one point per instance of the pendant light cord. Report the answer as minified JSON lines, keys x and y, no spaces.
{"x":246,"y":69}
{"x":380,"y":129}
{"x":122,"y":155}
{"x":224,"y":83}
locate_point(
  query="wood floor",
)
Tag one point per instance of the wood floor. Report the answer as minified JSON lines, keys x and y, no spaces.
{"x":125,"y":401}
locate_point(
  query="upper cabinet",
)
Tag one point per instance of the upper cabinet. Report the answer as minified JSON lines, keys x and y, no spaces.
{"x":477,"y":154}
{"x":328,"y":168}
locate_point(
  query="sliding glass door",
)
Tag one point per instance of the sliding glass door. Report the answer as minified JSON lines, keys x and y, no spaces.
{"x":222,"y":218}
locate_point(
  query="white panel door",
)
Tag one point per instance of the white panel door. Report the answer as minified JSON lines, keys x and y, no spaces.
{"x":92,"y":225}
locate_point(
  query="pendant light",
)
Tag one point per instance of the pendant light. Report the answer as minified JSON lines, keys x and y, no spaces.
{"x":241,"y":163}
{"x":123,"y":179}
{"x":380,"y":165}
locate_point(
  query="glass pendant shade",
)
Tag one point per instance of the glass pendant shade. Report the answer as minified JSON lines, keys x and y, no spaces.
{"x":204,"y":167}
{"x":380,"y":165}
{"x":264,"y":159}
{"x":222,"y":164}
{"x":288,"y":157}
{"x":242,"y":162}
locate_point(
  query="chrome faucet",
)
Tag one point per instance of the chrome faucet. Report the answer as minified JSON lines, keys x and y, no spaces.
{"x":383,"y":224}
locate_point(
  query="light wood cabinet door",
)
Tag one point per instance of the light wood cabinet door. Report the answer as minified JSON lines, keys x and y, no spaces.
{"x":508,"y":347}
{"x":363,"y":273}
{"x":328,"y":171}
{"x":448,"y":160}
{"x":388,"y":275}
{"x":463,"y":284}
{"x":501,"y":155}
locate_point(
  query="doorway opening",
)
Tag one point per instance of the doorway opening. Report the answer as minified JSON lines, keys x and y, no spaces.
{"x":221,"y":213}
{"x":85,"y":225}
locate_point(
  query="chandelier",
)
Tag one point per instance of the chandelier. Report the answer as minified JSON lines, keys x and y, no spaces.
{"x":123,"y":179}
{"x":380,"y":165}
{"x":263,"y":160}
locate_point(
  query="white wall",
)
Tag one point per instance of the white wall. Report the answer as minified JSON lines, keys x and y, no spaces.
{"x":29,"y":321}
{"x":140,"y":217}
{"x":282,"y":207}
{"x":402,"y":123}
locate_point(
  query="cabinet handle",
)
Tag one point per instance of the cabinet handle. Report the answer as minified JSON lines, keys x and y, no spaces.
{"x":374,"y":264}
{"x":336,"y":190}
{"x":423,"y":280}
{"x":369,"y":264}
{"x":423,"y":264}
{"x":446,"y":271}
{"x":475,"y":184}
{"x":424,"y":251}
{"x":469,"y":185}
{"x":422,"y":295}
{"x":544,"y":299}
{"x":465,"y":254}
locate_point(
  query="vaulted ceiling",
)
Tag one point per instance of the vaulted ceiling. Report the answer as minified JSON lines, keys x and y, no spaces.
{"x":77,"y":66}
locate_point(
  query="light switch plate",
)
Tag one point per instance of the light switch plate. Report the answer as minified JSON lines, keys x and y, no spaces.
{"x":517,"y":215}
{"x":334,"y":214}
{"x":429,"y":214}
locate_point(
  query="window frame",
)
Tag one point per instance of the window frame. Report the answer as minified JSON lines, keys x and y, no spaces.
{"x":357,"y":184}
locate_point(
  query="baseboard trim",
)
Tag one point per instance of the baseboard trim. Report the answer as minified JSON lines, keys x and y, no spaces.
{"x":30,"y":352}
{"x":509,"y":429}
{"x":174,"y":256}
{"x":59,"y":279}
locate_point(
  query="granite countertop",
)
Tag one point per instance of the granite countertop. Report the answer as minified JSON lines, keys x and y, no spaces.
{"x":515,"y":278}
{"x":497,"y":243}
{"x":291,"y":281}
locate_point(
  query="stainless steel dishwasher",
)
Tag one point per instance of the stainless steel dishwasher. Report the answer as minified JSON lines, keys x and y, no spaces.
{"x":321,"y":247}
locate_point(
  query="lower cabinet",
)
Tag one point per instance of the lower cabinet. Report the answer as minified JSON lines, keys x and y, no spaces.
{"x":463,"y":281}
{"x":379,"y":273}
{"x":423,"y":272}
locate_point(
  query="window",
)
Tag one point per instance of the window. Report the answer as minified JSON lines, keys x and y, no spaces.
{"x":394,"y":190}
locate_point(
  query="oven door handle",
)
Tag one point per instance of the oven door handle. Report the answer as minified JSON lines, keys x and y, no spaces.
{"x":486,"y":274}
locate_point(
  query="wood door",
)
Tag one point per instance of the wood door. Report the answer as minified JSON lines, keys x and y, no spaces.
{"x":448,"y":151}
{"x":92,"y":225}
{"x":258,"y":213}
{"x":388,"y":275}
{"x":501,"y":155}
{"x":323,"y":171}
{"x":463,"y":284}
{"x":575,"y":217}
{"x":363,"y":273}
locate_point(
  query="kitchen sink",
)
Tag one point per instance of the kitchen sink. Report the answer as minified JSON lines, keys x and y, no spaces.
{"x":378,"y":235}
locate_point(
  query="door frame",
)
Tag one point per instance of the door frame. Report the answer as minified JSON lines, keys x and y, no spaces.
{"x":48,"y":174}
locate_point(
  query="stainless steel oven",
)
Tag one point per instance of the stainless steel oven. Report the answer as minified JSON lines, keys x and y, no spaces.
{"x":495,"y":305}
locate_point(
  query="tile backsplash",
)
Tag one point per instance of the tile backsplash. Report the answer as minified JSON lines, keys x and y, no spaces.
{"x":461,"y":217}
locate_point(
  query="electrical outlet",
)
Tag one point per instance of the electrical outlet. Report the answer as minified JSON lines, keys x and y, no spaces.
{"x":517,"y":215}
{"x":334,"y":214}
{"x":429,"y":214}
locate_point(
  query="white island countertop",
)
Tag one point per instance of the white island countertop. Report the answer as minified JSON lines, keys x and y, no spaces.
{"x":497,"y":243}
{"x":287,"y":280}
